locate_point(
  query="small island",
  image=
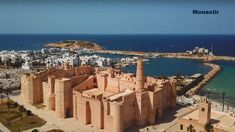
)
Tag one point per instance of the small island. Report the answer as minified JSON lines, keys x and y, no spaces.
{"x":75,"y":44}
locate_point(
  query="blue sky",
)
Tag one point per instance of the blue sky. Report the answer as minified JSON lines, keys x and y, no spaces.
{"x":116,"y":17}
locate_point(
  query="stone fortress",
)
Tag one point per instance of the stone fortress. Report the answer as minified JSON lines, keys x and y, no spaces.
{"x":104,"y":97}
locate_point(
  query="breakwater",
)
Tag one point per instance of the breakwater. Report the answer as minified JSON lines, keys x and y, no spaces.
{"x":180,"y":55}
{"x":208,"y":77}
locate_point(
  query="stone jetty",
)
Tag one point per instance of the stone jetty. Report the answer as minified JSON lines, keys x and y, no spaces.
{"x":208,"y":77}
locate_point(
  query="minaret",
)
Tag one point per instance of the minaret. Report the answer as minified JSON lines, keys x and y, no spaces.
{"x":140,"y":75}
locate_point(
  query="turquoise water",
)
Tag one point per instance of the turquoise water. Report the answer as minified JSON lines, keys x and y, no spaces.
{"x":223,"y":82}
{"x":170,"y":67}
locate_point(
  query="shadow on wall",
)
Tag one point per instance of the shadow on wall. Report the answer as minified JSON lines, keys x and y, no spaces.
{"x":168,"y":116}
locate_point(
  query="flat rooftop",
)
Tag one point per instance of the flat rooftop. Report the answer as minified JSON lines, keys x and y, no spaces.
{"x":116,"y":96}
{"x":107,"y":95}
{"x":218,"y":119}
{"x":95,"y":91}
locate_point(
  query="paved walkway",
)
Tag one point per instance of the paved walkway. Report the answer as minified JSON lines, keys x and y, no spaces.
{"x":68,"y":125}
{"x":3,"y":128}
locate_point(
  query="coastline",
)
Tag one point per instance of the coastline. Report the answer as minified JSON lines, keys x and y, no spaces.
{"x":217,"y":106}
{"x":179,"y":55}
{"x":206,"y":59}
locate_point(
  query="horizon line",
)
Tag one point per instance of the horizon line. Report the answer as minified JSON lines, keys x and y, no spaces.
{"x":110,"y":34}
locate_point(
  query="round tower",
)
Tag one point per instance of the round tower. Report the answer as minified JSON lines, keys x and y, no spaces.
{"x":140,"y":75}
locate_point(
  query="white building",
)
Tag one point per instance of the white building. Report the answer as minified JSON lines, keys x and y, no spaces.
{"x":27,"y":66}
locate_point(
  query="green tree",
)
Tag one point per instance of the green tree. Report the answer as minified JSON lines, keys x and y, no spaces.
{"x":190,"y":128}
{"x":209,"y":127}
{"x":35,"y":130}
{"x":7,"y":92}
{"x":21,"y":108}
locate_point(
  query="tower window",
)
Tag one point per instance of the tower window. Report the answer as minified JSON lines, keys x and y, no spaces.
{"x":94,"y":80}
{"x":203,"y":109}
{"x":181,"y":127}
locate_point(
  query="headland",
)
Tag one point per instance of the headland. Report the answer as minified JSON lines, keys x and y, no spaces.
{"x":75,"y":44}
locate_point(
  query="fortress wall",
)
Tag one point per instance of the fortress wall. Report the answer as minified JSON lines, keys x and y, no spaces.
{"x":101,"y":81}
{"x":51,"y":84}
{"x":75,"y":104}
{"x":32,"y":87}
{"x":36,"y":90}
{"x":108,"y":119}
{"x":97,"y":113}
{"x":83,"y":111}
{"x":117,"y":117}
{"x":69,"y":72}
{"x":143,"y":107}
{"x":87,"y":84}
{"x":129,"y":109}
{"x":46,"y":92}
{"x":166,"y":93}
{"x":58,"y":73}
{"x":156,"y":105}
{"x":76,"y":80}
{"x":116,"y":85}
{"x":125,"y":84}
{"x":84,"y":70}
{"x":27,"y":88}
{"x":173,"y":94}
{"x":169,"y":95}
{"x":112,"y":85}
{"x":64,"y":101}
{"x":24,"y":87}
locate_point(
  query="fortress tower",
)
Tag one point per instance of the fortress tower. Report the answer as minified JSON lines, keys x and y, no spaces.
{"x":204,"y":111}
{"x":140,"y":75}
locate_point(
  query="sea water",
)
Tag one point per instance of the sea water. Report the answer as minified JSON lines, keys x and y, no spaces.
{"x":220,"y":44}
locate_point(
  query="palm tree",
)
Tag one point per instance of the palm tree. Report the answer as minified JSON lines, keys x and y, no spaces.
{"x":1,"y":92}
{"x":178,"y":74}
{"x":7,"y":92}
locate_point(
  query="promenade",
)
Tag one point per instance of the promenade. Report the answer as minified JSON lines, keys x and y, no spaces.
{"x":3,"y":128}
